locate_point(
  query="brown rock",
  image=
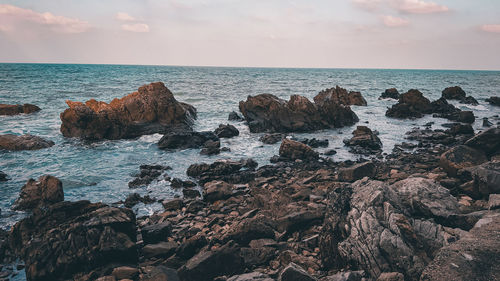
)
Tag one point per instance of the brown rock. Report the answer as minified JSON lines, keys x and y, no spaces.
{"x":341,"y":96}
{"x":460,"y":157}
{"x":411,"y":104}
{"x":14,"y":109}
{"x":294,"y":150}
{"x":24,"y":142}
{"x":453,"y":93}
{"x":357,"y":172}
{"x":487,"y":141}
{"x":46,"y":191}
{"x":125,"y":272}
{"x":217,"y":190}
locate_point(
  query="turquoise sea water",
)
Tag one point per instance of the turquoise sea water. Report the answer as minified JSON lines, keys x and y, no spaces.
{"x":100,"y":171}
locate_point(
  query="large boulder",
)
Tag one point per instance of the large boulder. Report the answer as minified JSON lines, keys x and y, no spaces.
{"x":460,"y":157}
{"x":294,"y":150}
{"x":70,"y":239}
{"x":226,"y":131}
{"x":14,"y":109}
{"x":381,"y":228}
{"x":23,"y":142}
{"x":476,"y":256}
{"x":487,"y":141}
{"x":44,"y":192}
{"x":152,"y":109}
{"x":364,"y":141}
{"x":411,"y":104}
{"x":341,"y":96}
{"x":268,"y":113}
{"x":453,"y":93}
{"x":186,"y":139}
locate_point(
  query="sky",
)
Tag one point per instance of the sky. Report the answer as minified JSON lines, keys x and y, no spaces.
{"x":423,"y":34}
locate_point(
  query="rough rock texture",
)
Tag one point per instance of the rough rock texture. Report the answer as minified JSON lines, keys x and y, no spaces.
{"x":294,"y":150}
{"x":217,"y":190}
{"x":268,"y":113}
{"x":493,"y":101}
{"x":186,"y":139}
{"x":391,"y":93}
{"x":476,"y":256}
{"x":14,"y":109}
{"x":226,"y":131}
{"x":357,"y":172}
{"x":272,"y":138}
{"x":381,"y":228}
{"x":148,"y":173}
{"x":294,"y":272}
{"x":152,"y":109}
{"x":453,"y":93}
{"x":487,"y":141}
{"x":252,"y":276}
{"x":83,"y":237}
{"x":44,"y":192}
{"x":460,"y":157}
{"x":23,"y":142}
{"x":225,"y":170}
{"x":364,"y":141}
{"x":342,"y":96}
{"x":486,"y":179}
{"x":411,"y":104}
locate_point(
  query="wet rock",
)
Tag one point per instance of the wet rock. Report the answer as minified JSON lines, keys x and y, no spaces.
{"x":83,"y":237}
{"x":173,"y":204}
{"x":314,"y":143}
{"x":412,"y":104}
{"x":294,"y":272}
{"x":494,"y":101}
{"x":364,"y":141}
{"x":341,"y":96}
{"x":211,"y":148}
{"x":469,"y":100}
{"x":217,"y":190}
{"x":125,"y":272}
{"x":186,"y":139}
{"x":486,"y":179}
{"x":294,"y":150}
{"x":155,"y":233}
{"x":14,"y":109}
{"x":23,"y":142}
{"x":357,"y":172}
{"x":272,"y":138}
{"x":148,"y":173}
{"x":134,"y":199}
{"x":226,"y":131}
{"x":159,"y":250}
{"x":234,"y":116}
{"x":330,"y":152}
{"x":453,"y":93}
{"x":252,"y":276}
{"x":487,"y":141}
{"x":391,"y":93}
{"x":3,"y":176}
{"x":44,"y":192}
{"x":486,"y":122}
{"x":460,"y":157}
{"x":178,"y":183}
{"x":460,"y":129}
{"x":152,"y":109}
{"x":443,"y":108}
{"x":475,"y":256}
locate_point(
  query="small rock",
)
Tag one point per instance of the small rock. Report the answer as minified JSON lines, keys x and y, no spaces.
{"x":391,"y":93}
{"x":190,"y":193}
{"x":391,"y":276}
{"x":357,"y":172}
{"x":217,"y":190}
{"x":173,"y":204}
{"x":125,"y":272}
{"x":162,"y":249}
{"x":23,"y":142}
{"x":494,"y":202}
{"x":234,"y":116}
{"x":211,"y":148}
{"x":14,"y":109}
{"x":294,"y":150}
{"x":293,"y":272}
{"x":453,"y":93}
{"x":494,"y":101}
{"x":460,"y":157}
{"x":272,"y":138}
{"x":3,"y":176}
{"x":226,"y":131}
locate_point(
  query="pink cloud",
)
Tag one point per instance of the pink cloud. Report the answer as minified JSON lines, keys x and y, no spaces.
{"x":420,"y":7}
{"x":391,"y":21}
{"x":369,"y":5}
{"x":136,"y":27}
{"x":13,"y":14}
{"x":495,"y":28}
{"x":124,"y":17}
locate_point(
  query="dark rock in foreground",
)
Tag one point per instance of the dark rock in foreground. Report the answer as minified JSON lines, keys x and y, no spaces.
{"x":23,"y":142}
{"x":460,"y":157}
{"x":294,"y":150}
{"x":391,"y":93}
{"x":364,"y":141}
{"x":357,"y":172}
{"x":186,"y":139}
{"x":152,"y":109}
{"x":494,"y":101}
{"x":44,"y":192}
{"x":14,"y":109}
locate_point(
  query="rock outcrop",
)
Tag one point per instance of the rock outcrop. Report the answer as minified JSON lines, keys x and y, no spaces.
{"x":152,"y":109}
{"x":364,"y":141}
{"x":14,"y":109}
{"x":44,"y":192}
{"x":341,"y":96}
{"x":294,"y":150}
{"x":23,"y":142}
{"x":411,"y":104}
{"x":186,"y":139}
{"x":226,"y":131}
{"x":493,"y":101}
{"x":453,"y":93}
{"x":460,"y":157}
{"x":487,"y":141}
{"x":391,"y":93}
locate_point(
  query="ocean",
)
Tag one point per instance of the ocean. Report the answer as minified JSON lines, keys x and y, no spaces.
{"x":100,"y":171}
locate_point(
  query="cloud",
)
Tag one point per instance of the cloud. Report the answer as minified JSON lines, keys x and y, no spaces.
{"x":420,"y":7}
{"x":369,"y":5}
{"x":495,"y":28}
{"x":13,"y":14}
{"x":391,"y":21}
{"x":124,"y":17}
{"x":136,"y":27}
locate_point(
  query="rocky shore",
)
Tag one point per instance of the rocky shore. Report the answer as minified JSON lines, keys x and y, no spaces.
{"x":429,"y":210}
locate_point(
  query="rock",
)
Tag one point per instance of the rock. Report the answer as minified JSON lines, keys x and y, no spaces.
{"x":159,"y":250}
{"x":106,"y":278}
{"x":460,"y":157}
{"x":134,"y":199}
{"x":494,"y":202}
{"x":443,"y":108}
{"x":191,"y":246}
{"x":487,"y":141}
{"x":412,"y":104}
{"x":186,"y":139}
{"x":341,"y":96}
{"x":211,"y":148}
{"x":486,"y":179}
{"x":294,"y":150}
{"x":453,"y":93}
{"x":152,"y":109}
{"x":476,"y":256}
{"x":357,"y":172}
{"x":364,"y":141}
{"x":226,"y":131}
{"x":173,"y":204}
{"x":268,"y":113}
{"x":208,"y":264}
{"x":178,"y":183}
{"x":272,"y":138}
{"x":294,"y":272}
{"x":23,"y":142}
{"x":297,"y":220}
{"x":125,"y":272}
{"x":217,"y":190}
{"x":460,"y":129}
{"x":3,"y":176}
{"x":14,"y":109}
{"x":234,"y":116}
{"x":347,"y":276}
{"x":469,"y":100}
{"x":465,"y":117}
{"x":83,"y":237}
{"x":218,"y":168}
{"x":391,"y":276}
{"x":148,"y":173}
{"x":161,"y":273}
{"x":315,"y":143}
{"x":486,"y":122}
{"x":252,"y":276}
{"x":190,"y":193}
{"x":250,"y":229}
{"x":156,"y":232}
{"x":391,"y":93}
{"x":44,"y":192}
{"x":494,"y":101}
{"x":330,"y":152}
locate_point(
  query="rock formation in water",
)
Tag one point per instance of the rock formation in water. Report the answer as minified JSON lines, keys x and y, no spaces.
{"x":15,"y":109}
{"x":23,"y":142}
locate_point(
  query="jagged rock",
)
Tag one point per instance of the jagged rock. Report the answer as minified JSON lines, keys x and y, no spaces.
{"x":453,"y":93}
{"x":186,"y":139}
{"x":381,"y":228}
{"x":486,"y":179}
{"x":134,"y":199}
{"x":226,"y":170}
{"x":3,"y":176}
{"x":148,"y":173}
{"x":191,"y":246}
{"x":411,"y":104}
{"x":160,"y":273}
{"x":250,"y":229}
{"x":486,"y":122}
{"x":14,"y":109}
{"x":391,"y":93}
{"x":487,"y":141}
{"x":44,"y":192}
{"x":217,"y":190}
{"x":294,"y":150}
{"x":152,"y":109}
{"x":156,"y":232}
{"x":83,"y":237}
{"x":210,"y":148}
{"x":294,"y":272}
{"x":476,"y":256}
{"x":298,"y":220}
{"x":460,"y":129}
{"x":234,"y":116}
{"x":252,"y":276}
{"x":226,"y":131}
{"x":341,"y":96}
{"x":190,"y":193}
{"x":357,"y":172}
{"x":23,"y":142}
{"x":364,"y":141}
{"x":268,"y":113}
{"x":314,"y":143}
{"x":494,"y":101}
{"x":178,"y":183}
{"x":272,"y":138}
{"x":460,"y":157}
{"x":469,"y":100}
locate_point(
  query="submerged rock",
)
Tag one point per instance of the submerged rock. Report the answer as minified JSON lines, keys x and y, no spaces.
{"x":314,"y":143}
{"x":186,"y":139}
{"x":44,"y":192}
{"x":3,"y":176}
{"x":148,"y":173}
{"x":152,"y":109}
{"x":364,"y":141}
{"x":211,"y":148}
{"x":23,"y":142}
{"x":391,"y":93}
{"x":14,"y":109}
{"x":294,"y":150}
